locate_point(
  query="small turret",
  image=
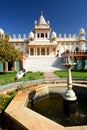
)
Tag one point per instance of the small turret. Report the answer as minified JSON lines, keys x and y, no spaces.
{"x":19,"y":36}
{"x":82,"y":34}
{"x":48,"y":22}
{"x":53,"y":35}
{"x":31,"y":36}
{"x":24,"y":36}
{"x":1,"y":32}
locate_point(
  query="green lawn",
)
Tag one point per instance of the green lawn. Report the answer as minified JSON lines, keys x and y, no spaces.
{"x":10,"y":77}
{"x":75,"y":74}
{"x":6,"y":78}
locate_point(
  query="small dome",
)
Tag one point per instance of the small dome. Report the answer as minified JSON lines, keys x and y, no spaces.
{"x":31,"y":35}
{"x":1,"y":31}
{"x":82,"y":31}
{"x":53,"y":35}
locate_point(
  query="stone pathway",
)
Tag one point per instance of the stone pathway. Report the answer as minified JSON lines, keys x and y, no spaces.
{"x":50,"y":76}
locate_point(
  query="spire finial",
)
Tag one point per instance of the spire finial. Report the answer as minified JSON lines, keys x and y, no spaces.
{"x":41,"y":12}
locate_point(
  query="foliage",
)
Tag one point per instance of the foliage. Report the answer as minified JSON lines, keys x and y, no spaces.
{"x":7,"y":36}
{"x":4,"y":101}
{"x":8,"y":53}
{"x":12,"y":93}
{"x":20,"y":88}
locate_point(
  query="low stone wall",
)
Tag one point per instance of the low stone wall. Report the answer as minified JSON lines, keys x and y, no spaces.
{"x":42,"y":92}
{"x":19,"y":117}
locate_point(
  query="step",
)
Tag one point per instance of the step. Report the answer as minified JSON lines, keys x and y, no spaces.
{"x":44,"y":64}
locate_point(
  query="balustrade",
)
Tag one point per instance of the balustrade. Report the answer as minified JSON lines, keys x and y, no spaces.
{"x":80,"y":53}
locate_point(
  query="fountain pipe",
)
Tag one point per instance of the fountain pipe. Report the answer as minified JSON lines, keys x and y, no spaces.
{"x":69,"y":79}
{"x":69,"y":94}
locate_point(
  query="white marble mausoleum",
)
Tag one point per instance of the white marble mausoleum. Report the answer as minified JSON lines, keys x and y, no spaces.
{"x":42,"y":48}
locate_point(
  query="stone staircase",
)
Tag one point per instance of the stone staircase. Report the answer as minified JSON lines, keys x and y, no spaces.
{"x":43,"y":63}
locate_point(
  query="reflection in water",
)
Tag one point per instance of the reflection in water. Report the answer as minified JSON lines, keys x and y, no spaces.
{"x":56,"y":109}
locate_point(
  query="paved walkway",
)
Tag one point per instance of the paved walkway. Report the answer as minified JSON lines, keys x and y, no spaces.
{"x":50,"y":76}
{"x":17,"y":84}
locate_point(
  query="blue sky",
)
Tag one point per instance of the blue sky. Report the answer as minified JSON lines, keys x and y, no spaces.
{"x":65,"y":16}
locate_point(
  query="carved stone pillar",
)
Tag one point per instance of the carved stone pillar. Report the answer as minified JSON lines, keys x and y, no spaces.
{"x":45,"y":51}
{"x":40,"y":51}
{"x":36,"y":51}
{"x":29,"y":52}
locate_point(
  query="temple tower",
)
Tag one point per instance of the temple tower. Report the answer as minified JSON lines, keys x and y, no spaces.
{"x":42,"y":28}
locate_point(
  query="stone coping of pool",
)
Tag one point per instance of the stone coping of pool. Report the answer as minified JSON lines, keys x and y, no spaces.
{"x":30,"y":120}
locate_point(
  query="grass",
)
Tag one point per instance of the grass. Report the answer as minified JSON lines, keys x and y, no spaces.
{"x":10,"y":77}
{"x":61,"y":74}
{"x":32,"y":76}
{"x":6,"y":78}
{"x":79,"y":74}
{"x":75,"y":74}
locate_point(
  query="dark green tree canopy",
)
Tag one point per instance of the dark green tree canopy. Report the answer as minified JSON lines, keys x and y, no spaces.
{"x":8,"y":53}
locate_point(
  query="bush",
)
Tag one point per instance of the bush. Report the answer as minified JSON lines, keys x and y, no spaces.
{"x":12,"y":93}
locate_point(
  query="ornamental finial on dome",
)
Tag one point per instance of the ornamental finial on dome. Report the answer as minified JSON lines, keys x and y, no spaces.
{"x":48,"y":22}
{"x":35,"y":22}
{"x":41,"y":12}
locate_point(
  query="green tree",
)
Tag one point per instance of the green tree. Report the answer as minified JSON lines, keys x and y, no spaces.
{"x":7,"y":36}
{"x":8,"y":53}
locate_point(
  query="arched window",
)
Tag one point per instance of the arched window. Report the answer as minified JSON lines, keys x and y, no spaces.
{"x":42,"y":35}
{"x":38,"y":51}
{"x":54,"y":51}
{"x":47,"y":51}
{"x":38,"y":35}
{"x":43,"y":51}
{"x":46,"y":35}
{"x":31,"y":51}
